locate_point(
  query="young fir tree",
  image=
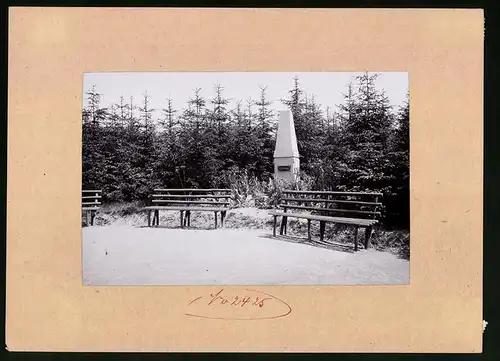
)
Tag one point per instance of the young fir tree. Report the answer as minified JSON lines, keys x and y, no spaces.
{"x":93,"y":113}
{"x":191,"y":139}
{"x":92,"y":140}
{"x":295,"y":103}
{"x":113,"y":117}
{"x":168,"y":123}
{"x":308,"y":119}
{"x":196,"y":109}
{"x":238,"y":114}
{"x":264,"y":136}
{"x":236,"y":135}
{"x":242,"y":139}
{"x":215,"y":141}
{"x":122,"y":109}
{"x":146,"y":113}
{"x":398,"y":202}
{"x":249,"y":115}
{"x":168,"y":149}
{"x":366,"y":126}
{"x":314,"y":141}
{"x":144,"y":154}
{"x":219,"y":115}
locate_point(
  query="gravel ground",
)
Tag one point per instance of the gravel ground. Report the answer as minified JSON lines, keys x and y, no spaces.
{"x":128,"y":255}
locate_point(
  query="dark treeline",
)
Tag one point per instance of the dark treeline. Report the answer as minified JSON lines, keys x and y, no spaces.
{"x":363,"y":145}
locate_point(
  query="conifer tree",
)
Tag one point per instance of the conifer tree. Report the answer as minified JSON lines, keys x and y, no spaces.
{"x":366,"y":125}
{"x":264,"y":136}
{"x":94,"y":117}
{"x":169,"y":122}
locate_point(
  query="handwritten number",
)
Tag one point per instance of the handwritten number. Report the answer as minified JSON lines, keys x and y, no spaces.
{"x":261,"y":303}
{"x":237,"y":301}
{"x":245,"y":301}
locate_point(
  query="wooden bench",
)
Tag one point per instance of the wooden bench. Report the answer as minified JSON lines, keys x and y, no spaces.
{"x":356,"y":209}
{"x":186,"y":201}
{"x":91,"y":200}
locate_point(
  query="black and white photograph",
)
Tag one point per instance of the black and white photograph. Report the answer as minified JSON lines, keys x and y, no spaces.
{"x":245,"y":178}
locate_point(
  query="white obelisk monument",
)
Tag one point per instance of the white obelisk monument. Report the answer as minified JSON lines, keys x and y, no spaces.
{"x":286,"y":154}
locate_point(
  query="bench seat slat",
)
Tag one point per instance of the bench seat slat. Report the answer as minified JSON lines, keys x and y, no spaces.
{"x":187,"y":208}
{"x":357,"y":221}
{"x":327,"y":209}
{"x":215,"y":203}
{"x":90,"y":208}
{"x":334,"y":193}
{"x":190,"y":196}
{"x":91,"y":191}
{"x":314,"y":200}
{"x":91,"y":197}
{"x":192,"y":190}
{"x":90,"y":203}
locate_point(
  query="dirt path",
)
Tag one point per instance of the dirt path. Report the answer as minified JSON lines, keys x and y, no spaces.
{"x":125,"y":255}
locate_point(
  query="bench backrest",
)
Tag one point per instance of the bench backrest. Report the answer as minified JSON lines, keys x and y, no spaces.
{"x":336,"y":204}
{"x":91,"y":198}
{"x":191,"y":197}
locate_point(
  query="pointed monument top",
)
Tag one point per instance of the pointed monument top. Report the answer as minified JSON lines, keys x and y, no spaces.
{"x":286,"y":140}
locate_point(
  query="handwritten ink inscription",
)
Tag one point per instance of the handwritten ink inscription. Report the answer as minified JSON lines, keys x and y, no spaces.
{"x":227,"y":304}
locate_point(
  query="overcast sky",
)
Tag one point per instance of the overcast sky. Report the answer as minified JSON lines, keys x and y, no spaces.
{"x":327,"y":87}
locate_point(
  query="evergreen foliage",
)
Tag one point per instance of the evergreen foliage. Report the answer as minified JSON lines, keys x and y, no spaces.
{"x":364,"y":145}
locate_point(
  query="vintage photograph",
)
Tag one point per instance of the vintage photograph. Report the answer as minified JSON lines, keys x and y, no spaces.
{"x":245,"y":178}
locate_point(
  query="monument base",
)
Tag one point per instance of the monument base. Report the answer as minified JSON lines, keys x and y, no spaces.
{"x":286,"y":168}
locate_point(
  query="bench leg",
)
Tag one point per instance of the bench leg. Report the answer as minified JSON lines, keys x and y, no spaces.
{"x":92,"y":216}
{"x":188,"y":215}
{"x":322,"y":230}
{"x":186,"y":218}
{"x":222,"y":219}
{"x":356,"y":239}
{"x":157,"y":217}
{"x":368,"y":236}
{"x":274,"y":225}
{"x":149,"y":218}
{"x":182,"y":219}
{"x":215,"y":220}
{"x":309,"y":229}
{"x":283,"y":225}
